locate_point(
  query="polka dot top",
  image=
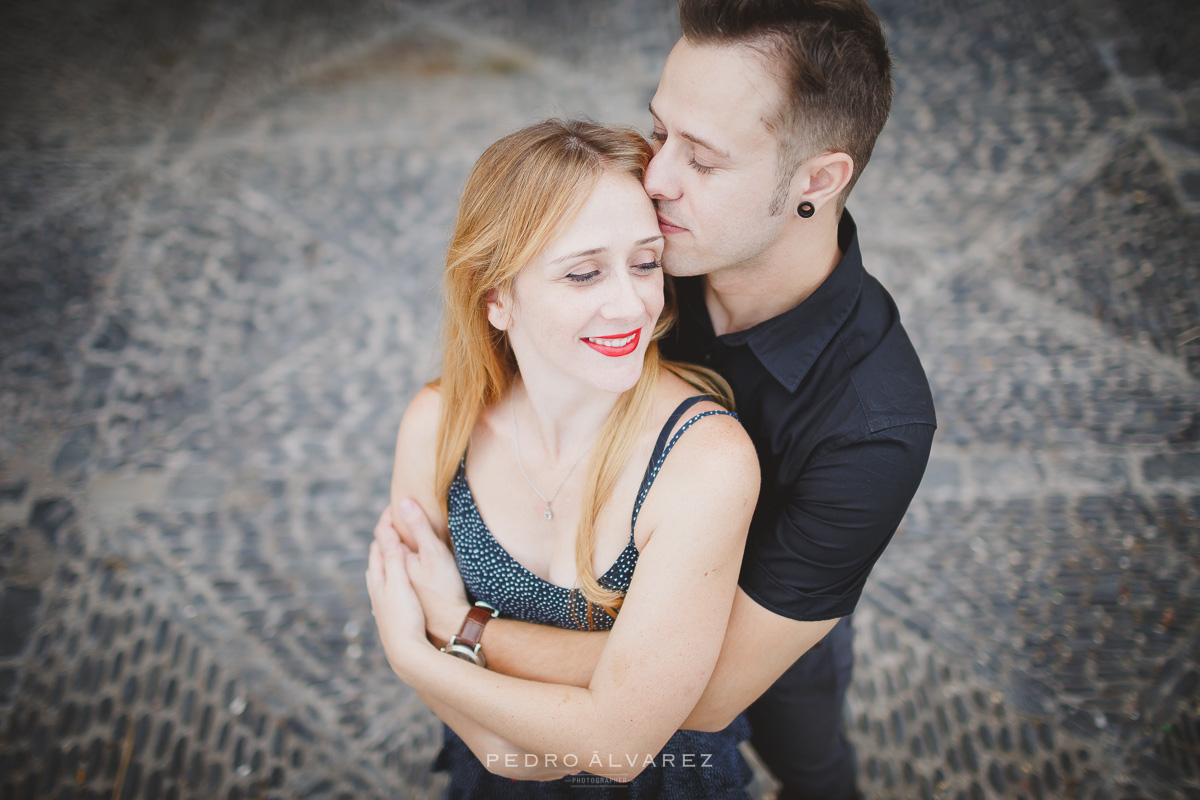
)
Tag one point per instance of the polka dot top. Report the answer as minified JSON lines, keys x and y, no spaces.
{"x":494,"y":576}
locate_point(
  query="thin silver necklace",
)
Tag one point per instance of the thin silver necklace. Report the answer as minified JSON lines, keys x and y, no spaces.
{"x":549,"y":513}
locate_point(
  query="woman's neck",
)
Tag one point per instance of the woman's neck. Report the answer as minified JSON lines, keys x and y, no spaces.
{"x":556,"y":423}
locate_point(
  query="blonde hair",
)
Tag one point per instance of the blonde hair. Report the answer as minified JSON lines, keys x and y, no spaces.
{"x":524,"y":191}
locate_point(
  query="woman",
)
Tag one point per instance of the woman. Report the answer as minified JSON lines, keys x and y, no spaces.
{"x":554,"y":296}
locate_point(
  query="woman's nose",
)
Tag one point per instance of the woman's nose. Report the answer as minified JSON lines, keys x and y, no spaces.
{"x":624,"y":302}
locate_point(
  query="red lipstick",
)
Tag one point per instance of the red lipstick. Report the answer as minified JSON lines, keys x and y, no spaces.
{"x":618,"y":350}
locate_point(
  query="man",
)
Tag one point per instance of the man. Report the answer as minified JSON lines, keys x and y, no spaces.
{"x":765,"y":115}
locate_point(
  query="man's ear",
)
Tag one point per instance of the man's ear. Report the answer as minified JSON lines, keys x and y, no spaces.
{"x":821,"y":179}
{"x":499,"y":308}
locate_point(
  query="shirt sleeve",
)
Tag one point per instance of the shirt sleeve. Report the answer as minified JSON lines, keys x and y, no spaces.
{"x":808,"y":557}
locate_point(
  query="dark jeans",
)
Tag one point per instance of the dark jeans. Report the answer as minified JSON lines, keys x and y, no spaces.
{"x":796,"y":726}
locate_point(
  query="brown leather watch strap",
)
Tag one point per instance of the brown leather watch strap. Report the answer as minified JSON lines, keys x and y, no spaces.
{"x":472,"y":627}
{"x":465,"y":644}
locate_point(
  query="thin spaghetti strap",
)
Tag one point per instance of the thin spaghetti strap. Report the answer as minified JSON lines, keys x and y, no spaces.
{"x":663,"y":447}
{"x":679,"y":411}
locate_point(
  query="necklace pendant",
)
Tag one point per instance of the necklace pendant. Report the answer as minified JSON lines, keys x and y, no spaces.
{"x":549,"y":514}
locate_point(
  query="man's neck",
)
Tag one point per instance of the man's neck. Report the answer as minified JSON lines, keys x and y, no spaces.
{"x":742,"y":296}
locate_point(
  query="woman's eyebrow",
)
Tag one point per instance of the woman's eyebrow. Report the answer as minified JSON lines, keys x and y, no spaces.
{"x":569,"y":256}
{"x":596,"y":250}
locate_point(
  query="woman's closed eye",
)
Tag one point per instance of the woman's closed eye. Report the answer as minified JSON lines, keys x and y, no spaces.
{"x":644,"y":268}
{"x":584,"y":277}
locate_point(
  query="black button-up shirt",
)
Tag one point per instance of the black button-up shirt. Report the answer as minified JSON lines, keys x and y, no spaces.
{"x":835,"y":400}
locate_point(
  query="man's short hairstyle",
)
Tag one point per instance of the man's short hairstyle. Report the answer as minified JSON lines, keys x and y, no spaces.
{"x":833,"y":65}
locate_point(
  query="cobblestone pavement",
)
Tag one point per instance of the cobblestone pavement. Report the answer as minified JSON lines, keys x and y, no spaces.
{"x":221,"y":229}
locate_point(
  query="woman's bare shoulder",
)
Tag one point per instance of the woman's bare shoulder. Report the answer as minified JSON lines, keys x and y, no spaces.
{"x":673,"y":390}
{"x":716,"y":448}
{"x":707,"y":485}
{"x":413,"y":473}
{"x":420,"y":421}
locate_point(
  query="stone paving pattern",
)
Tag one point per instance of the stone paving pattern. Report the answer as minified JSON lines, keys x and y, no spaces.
{"x":221,"y":231}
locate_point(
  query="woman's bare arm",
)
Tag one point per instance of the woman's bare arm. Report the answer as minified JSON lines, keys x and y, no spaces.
{"x":527,"y":650}
{"x":662,"y":649}
{"x":558,"y":655}
{"x":499,"y":756}
{"x":412,"y":477}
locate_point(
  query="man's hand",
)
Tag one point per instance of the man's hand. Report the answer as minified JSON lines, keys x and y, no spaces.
{"x":432,"y":570}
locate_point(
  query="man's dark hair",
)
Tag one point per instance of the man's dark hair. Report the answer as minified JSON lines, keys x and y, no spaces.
{"x":833,"y":65}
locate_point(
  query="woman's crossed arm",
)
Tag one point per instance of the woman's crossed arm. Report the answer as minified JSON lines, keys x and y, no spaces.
{"x":658,"y":657}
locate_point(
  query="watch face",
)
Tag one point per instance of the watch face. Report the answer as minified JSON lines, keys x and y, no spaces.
{"x":465,"y":653}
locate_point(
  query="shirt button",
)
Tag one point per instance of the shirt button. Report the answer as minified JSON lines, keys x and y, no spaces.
{"x":708,"y":358}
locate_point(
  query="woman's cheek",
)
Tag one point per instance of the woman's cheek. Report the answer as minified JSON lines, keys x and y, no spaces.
{"x":656,"y":302}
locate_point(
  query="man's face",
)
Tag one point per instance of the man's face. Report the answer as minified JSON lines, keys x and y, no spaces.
{"x":715,"y":167}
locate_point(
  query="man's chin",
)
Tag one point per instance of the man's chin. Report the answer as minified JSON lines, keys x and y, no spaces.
{"x":681,"y":267}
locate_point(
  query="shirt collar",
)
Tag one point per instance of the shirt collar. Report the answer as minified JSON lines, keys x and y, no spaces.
{"x":788,"y":344}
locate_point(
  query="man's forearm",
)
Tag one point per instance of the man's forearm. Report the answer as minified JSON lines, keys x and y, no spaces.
{"x":543,"y":652}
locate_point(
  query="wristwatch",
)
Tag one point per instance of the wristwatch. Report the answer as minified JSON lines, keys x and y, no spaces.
{"x":465,"y":644}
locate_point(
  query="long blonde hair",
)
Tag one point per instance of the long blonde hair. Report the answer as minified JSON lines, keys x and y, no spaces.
{"x":524,"y":191}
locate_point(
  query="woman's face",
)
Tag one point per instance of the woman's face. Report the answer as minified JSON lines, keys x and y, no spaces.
{"x":584,"y":310}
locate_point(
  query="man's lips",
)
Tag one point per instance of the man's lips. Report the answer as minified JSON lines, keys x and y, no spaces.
{"x":666,"y":226}
{"x":614,"y":346}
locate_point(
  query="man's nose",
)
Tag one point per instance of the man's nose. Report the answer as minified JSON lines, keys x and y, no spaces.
{"x":660,"y":182}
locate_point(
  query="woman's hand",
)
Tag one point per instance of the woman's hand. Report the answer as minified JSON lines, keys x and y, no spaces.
{"x":394,"y":604}
{"x":432,"y":570}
